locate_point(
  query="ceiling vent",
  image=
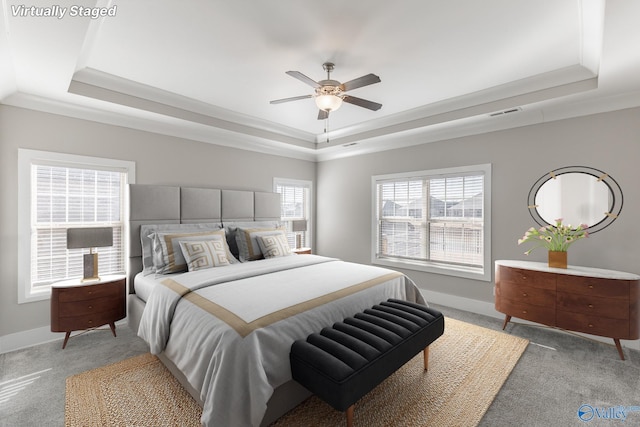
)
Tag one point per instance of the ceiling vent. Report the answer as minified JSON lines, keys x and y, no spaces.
{"x":503,"y":112}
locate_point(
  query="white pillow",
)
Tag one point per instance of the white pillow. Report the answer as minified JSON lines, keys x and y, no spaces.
{"x":204,"y":254}
{"x":274,"y":245}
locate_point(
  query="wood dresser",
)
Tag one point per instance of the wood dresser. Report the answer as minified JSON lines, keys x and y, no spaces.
{"x":78,"y":306}
{"x":582,"y":299}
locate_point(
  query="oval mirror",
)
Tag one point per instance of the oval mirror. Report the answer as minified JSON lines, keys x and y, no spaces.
{"x":578,"y":195}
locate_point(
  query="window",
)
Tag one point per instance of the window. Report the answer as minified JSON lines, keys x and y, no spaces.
{"x":296,"y":205}
{"x":57,"y":192}
{"x":436,"y":221}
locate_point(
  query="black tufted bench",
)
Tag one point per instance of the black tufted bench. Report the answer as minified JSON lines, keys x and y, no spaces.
{"x":343,"y":363}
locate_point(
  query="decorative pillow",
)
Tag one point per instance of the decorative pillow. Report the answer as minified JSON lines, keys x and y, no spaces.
{"x":147,"y":243}
{"x":167,"y":254}
{"x":274,"y":245}
{"x":204,"y":254}
{"x":247,"y":241}
{"x":232,"y":227}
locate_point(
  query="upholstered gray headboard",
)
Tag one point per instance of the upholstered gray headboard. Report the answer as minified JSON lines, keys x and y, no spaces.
{"x":161,"y":204}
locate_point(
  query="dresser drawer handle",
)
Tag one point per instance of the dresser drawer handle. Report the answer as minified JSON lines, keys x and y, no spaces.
{"x":524,"y":311}
{"x":90,"y":321}
{"x":90,"y":307}
{"x":590,"y":325}
{"x":590,"y":286}
{"x":524,"y":294}
{"x":524,"y":277}
{"x":590,"y":306}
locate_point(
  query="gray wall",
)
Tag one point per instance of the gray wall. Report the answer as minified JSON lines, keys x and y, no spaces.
{"x":159,"y":160}
{"x":610,"y":142}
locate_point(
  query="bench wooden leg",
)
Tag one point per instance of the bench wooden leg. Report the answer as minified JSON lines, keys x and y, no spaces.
{"x":426,"y":358}
{"x":350,"y":415}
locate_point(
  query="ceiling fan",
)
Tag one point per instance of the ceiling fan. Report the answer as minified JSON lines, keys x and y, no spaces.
{"x":329,"y":94}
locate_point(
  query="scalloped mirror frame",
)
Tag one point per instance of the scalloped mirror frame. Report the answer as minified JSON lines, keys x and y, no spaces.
{"x":615,"y":195}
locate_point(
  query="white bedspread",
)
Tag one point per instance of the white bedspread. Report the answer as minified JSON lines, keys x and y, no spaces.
{"x":230,"y":329}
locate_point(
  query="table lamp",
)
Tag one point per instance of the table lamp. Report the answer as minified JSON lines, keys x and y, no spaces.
{"x":299,"y":226}
{"x":89,"y":237}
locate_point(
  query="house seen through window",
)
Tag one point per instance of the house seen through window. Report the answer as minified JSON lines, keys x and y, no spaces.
{"x":433,"y":220}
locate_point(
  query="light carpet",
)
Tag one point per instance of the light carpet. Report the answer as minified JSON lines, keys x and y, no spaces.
{"x":467,"y":367}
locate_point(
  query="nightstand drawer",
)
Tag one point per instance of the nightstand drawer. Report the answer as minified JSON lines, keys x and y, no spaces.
{"x":614,"y":328}
{"x":95,"y":305}
{"x":593,"y":306}
{"x":89,"y":292}
{"x":88,"y":321}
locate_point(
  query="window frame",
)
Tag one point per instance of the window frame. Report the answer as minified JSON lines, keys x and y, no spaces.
{"x":309,"y":186}
{"x":483,"y":273}
{"x":26,"y":158}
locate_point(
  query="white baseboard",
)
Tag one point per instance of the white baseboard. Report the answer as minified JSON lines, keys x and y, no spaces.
{"x":32,"y":337}
{"x":488,"y":309}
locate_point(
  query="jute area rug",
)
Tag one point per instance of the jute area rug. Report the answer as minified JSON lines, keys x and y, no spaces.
{"x":467,"y":367}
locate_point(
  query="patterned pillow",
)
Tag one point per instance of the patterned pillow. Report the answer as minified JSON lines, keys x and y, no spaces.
{"x":167,"y":254}
{"x":247,"y":240}
{"x":147,"y":243}
{"x":204,"y":254}
{"x":274,"y":245}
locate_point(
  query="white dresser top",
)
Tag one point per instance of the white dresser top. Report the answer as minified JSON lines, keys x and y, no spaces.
{"x":571,"y":270}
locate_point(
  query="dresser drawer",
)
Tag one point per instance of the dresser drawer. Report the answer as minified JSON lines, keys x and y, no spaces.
{"x":595,"y":325}
{"x":593,"y":286}
{"x":535,"y":313}
{"x":593,"y":306}
{"x":526,"y":294}
{"x":517,"y":276}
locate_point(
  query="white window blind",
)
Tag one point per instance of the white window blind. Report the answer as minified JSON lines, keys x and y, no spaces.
{"x":432,"y":219}
{"x":68,"y":197}
{"x":295,"y":205}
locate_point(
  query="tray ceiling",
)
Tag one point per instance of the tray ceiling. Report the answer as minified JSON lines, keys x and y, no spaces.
{"x":206,"y":70}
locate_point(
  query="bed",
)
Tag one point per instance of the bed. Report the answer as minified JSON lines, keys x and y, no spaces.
{"x":223,"y":322}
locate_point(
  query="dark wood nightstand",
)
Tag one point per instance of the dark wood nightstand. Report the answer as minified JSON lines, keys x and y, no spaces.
{"x":302,"y":251}
{"x":79,"y":306}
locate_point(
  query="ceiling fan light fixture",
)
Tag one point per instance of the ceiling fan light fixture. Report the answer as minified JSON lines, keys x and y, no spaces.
{"x":328,"y":102}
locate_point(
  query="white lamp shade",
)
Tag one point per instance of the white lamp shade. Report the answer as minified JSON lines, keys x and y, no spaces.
{"x":328,"y":102}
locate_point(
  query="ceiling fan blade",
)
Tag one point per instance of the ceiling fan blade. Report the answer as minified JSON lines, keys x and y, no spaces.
{"x":367,"y":80}
{"x":295,"y":98}
{"x":322,"y":114}
{"x":362,"y":102}
{"x":298,"y":75}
